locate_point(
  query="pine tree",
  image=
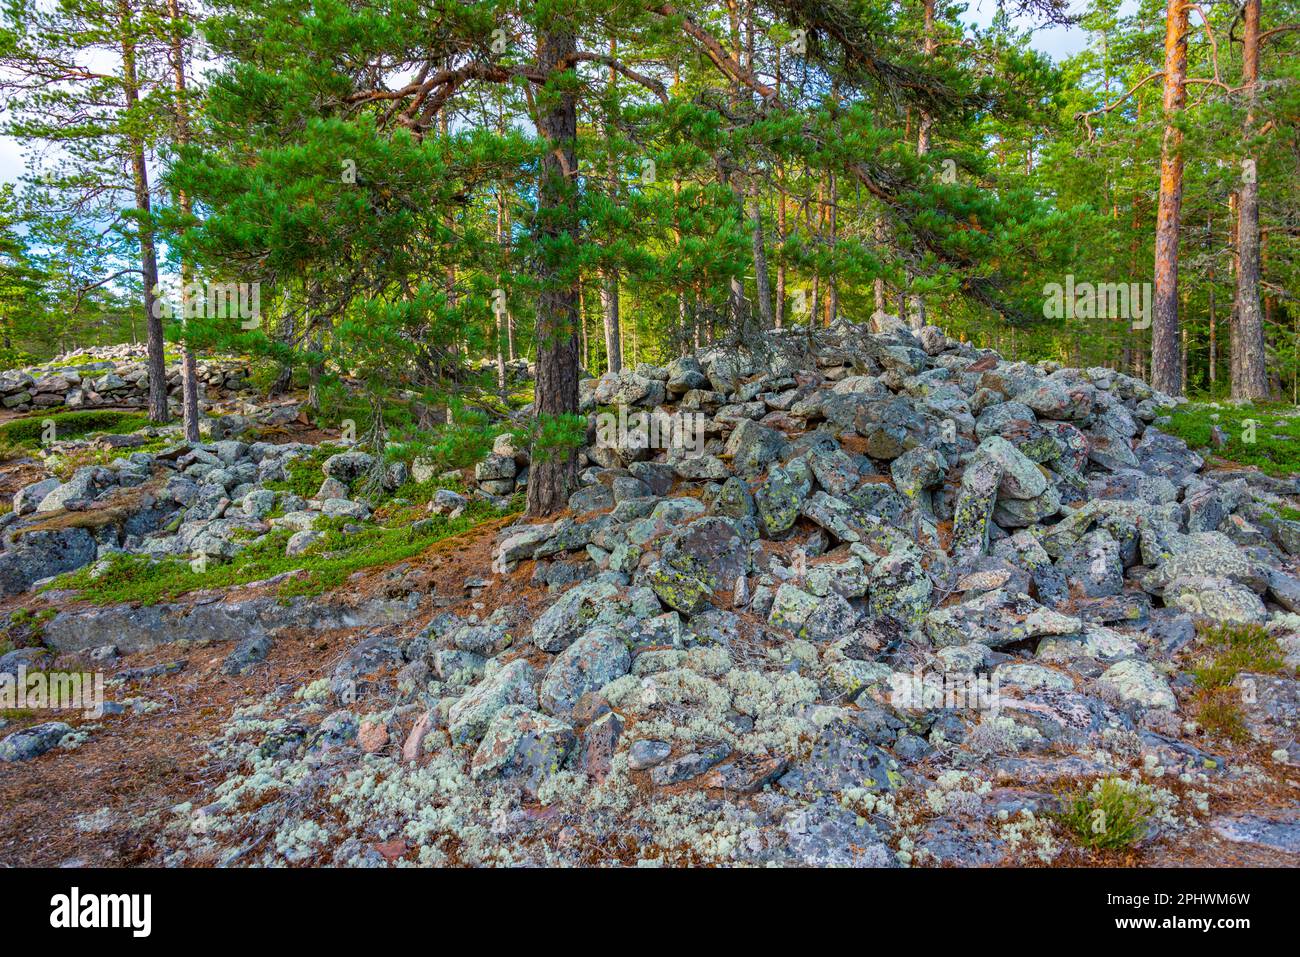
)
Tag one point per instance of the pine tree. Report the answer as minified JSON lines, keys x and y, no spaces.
{"x":81,"y":75}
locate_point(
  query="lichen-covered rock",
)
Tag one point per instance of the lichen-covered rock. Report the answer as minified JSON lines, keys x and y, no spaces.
{"x":677,"y":589}
{"x":685,"y":374}
{"x":833,"y":618}
{"x":1166,"y":456}
{"x":247,"y":654}
{"x":1092,"y":565}
{"x":77,"y":492}
{"x":752,"y":446}
{"x":843,"y":756}
{"x":711,"y":549}
{"x":1021,"y":478}
{"x":28,"y":498}
{"x":1031,"y":677}
{"x":573,"y":613}
{"x":917,"y":471}
{"x":600,"y":745}
{"x":835,"y":470}
{"x":483,"y":640}
{"x":496,"y":467}
{"x":43,"y":553}
{"x":646,"y":753}
{"x":1217,"y":599}
{"x":347,"y":467}
{"x":1110,"y":449}
{"x":847,"y":578}
{"x":890,"y":427}
{"x":344,"y":508}
{"x":689,"y":765}
{"x":899,"y":588}
{"x":1136,"y":682}
{"x":523,"y":745}
{"x":791,"y":608}
{"x":1199,"y":555}
{"x":521,"y":542}
{"x":734,"y":500}
{"x":975,"y":502}
{"x":33,"y":742}
{"x":996,"y":619}
{"x":299,"y":542}
{"x":512,"y":684}
{"x":1057,"y":399}
{"x":1021,"y":513}
{"x":595,"y":659}
{"x":777,"y":502}
{"x":591,"y":498}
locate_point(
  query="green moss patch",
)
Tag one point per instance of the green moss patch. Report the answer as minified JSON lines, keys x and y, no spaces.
{"x":327,"y":564}
{"x":27,"y":432}
{"x":1265,"y":436}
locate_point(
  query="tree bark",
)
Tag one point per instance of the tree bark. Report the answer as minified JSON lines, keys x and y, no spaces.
{"x":763,"y":288}
{"x":1166,"y":365}
{"x":555,"y":392}
{"x":189,"y":368}
{"x":878,"y":284}
{"x":779,"y":317}
{"x":832,"y":222}
{"x":501,"y":307}
{"x":1250,"y":377}
{"x":609,"y":307}
{"x":1214,"y":317}
{"x":148,"y":254}
{"x":916,"y":304}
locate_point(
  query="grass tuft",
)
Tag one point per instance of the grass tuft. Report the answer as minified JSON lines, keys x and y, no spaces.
{"x":1232,"y":649}
{"x":1112,"y":814}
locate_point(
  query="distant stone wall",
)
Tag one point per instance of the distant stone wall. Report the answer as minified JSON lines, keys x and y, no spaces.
{"x":114,"y":376}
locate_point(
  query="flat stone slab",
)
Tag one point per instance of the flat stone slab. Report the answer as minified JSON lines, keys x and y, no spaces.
{"x":1279,"y":829}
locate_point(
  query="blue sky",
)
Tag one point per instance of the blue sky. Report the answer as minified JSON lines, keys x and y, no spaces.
{"x":1057,"y":42}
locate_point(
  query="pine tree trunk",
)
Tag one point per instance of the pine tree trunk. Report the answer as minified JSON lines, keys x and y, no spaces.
{"x":878,"y":284}
{"x":1166,"y":366}
{"x":552,"y":476}
{"x":502,"y":309}
{"x":609,"y":304}
{"x":763,"y":290}
{"x":779,"y":317}
{"x":315,"y":373}
{"x":916,"y":304}
{"x":148,"y":255}
{"x":832,"y":287}
{"x":189,"y":368}
{"x":1250,"y":378}
{"x":1213,"y":304}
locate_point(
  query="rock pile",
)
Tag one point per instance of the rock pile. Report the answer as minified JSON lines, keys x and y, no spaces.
{"x":115,"y":376}
{"x":892,"y":595}
{"x":201,"y":501}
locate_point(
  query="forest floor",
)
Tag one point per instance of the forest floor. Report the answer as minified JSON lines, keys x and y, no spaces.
{"x":333,"y":695}
{"x":109,"y":803}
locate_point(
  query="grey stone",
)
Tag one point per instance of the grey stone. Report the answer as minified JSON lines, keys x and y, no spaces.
{"x":33,"y":742}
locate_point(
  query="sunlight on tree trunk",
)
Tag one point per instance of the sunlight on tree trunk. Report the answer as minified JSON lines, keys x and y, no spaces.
{"x":1166,"y":364}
